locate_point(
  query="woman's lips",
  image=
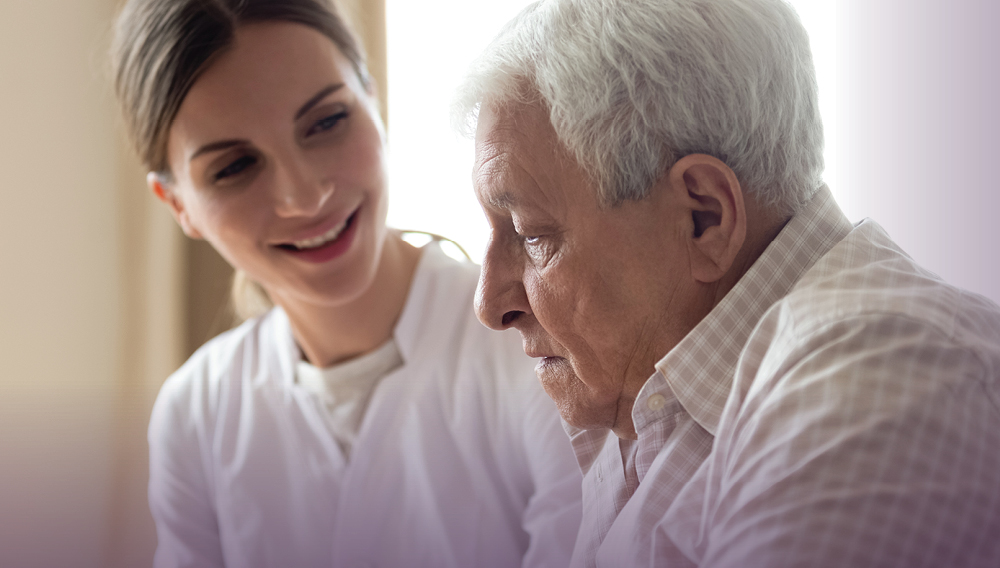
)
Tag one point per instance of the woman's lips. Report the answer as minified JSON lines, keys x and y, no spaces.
{"x":328,"y":250}
{"x":326,"y":237}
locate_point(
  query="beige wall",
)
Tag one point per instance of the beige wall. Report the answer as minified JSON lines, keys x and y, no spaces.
{"x":98,"y":293}
{"x":89,"y":301}
{"x":367,"y":17}
{"x":63,"y":314}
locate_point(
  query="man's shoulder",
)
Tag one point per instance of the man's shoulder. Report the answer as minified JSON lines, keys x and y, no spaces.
{"x":866,"y":313}
{"x":867,"y":275}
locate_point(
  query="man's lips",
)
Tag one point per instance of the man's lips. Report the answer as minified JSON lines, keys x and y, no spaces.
{"x":538,"y":347}
{"x":549,"y":363}
{"x":540,"y":355}
{"x":543,"y":356}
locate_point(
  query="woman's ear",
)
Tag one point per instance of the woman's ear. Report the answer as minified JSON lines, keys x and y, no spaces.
{"x":714,"y":199}
{"x":165,"y":193}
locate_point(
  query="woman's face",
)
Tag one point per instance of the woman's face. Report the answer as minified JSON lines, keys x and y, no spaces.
{"x":277,"y":160}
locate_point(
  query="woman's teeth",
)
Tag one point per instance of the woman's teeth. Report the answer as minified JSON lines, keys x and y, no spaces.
{"x":322,"y":239}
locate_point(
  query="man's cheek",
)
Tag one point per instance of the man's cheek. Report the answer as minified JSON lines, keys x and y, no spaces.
{"x":549,"y":307}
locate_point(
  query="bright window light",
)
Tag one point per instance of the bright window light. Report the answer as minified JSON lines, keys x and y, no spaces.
{"x":430,"y":46}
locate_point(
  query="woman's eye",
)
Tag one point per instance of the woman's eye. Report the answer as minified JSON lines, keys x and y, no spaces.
{"x":326,"y":123}
{"x":236,"y":167}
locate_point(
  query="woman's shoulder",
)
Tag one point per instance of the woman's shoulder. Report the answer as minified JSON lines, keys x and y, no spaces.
{"x":439,"y":314}
{"x":225,"y":363}
{"x":440,"y":324}
{"x":443,"y":276}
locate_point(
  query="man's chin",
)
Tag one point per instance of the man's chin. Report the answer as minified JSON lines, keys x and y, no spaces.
{"x":558,"y":378}
{"x":583,"y":417}
{"x":574,"y":400}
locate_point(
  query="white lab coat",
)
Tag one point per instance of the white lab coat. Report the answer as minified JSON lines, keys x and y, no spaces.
{"x":460,"y":461}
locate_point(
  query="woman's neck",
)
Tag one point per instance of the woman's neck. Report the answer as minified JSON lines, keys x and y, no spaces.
{"x":330,"y":334}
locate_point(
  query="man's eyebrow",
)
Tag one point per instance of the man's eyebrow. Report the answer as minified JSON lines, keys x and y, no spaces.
{"x":317,"y":98}
{"x":504,"y":200}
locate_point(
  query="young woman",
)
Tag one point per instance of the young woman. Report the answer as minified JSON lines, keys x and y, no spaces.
{"x":367,"y":419}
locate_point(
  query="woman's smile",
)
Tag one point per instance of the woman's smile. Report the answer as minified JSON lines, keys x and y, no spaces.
{"x":327,"y":246}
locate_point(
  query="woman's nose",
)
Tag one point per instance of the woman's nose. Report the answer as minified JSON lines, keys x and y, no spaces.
{"x":300,"y":190}
{"x":501,"y":300}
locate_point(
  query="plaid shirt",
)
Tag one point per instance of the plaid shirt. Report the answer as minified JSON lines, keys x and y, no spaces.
{"x":839,"y":407}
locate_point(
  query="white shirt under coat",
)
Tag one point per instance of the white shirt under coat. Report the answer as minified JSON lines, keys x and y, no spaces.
{"x":460,"y":459}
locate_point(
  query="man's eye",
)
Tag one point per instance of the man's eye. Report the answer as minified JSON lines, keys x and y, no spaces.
{"x":531,"y":241}
{"x":326,"y":123}
{"x":236,"y":167}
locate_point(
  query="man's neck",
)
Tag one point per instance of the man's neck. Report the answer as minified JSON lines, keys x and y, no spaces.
{"x":763,"y":226}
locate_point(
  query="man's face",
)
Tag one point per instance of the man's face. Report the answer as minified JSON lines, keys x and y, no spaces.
{"x":598,"y":292}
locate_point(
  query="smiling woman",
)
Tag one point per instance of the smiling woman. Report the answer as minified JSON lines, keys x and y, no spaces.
{"x":277,"y":144}
{"x":365,"y":418}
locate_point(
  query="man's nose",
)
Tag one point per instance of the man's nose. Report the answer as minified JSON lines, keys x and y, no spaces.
{"x":300,"y":190}
{"x":500,"y":297}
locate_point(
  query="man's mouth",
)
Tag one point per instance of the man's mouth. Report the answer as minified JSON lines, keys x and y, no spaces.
{"x":546,"y":365}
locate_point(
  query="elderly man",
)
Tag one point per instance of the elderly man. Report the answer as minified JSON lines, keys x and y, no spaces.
{"x":748,"y":379}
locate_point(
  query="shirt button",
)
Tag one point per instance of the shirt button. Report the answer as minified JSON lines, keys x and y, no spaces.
{"x":655,"y":402}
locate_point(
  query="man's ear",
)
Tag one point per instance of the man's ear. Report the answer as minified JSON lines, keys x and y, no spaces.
{"x":713,"y":196}
{"x":162,"y":190}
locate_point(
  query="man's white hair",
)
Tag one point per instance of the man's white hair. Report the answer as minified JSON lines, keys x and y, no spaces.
{"x":634,"y":85}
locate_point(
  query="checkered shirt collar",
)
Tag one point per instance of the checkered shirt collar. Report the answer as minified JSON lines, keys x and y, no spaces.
{"x":699,"y":370}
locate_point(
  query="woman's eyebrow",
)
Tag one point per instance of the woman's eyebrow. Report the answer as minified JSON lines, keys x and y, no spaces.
{"x":225,"y":144}
{"x":216,"y":146}
{"x":317,"y":98}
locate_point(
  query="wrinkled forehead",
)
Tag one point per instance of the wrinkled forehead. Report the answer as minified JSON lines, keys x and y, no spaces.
{"x":511,"y":136}
{"x":520,"y":162}
{"x":518,"y":131}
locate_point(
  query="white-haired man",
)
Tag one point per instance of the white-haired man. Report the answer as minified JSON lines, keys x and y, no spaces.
{"x":748,"y":379}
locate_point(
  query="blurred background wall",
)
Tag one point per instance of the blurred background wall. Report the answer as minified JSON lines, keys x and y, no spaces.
{"x":919,"y":132}
{"x":101,"y":298}
{"x":89,"y":292}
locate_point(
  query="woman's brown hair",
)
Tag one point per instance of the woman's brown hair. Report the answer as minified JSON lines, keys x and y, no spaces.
{"x":162,"y":46}
{"x":160,"y":49}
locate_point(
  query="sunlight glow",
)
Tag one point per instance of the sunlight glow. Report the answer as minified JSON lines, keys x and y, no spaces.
{"x":430,"y":46}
